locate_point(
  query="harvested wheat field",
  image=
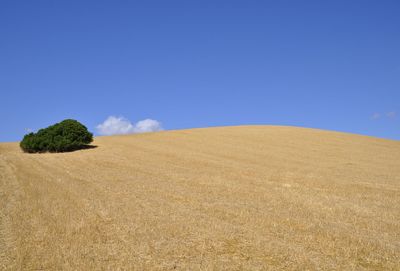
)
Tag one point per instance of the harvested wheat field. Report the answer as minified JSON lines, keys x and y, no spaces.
{"x":228,"y":198}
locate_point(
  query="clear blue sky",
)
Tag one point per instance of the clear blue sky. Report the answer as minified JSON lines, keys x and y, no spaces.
{"x":324,"y":64}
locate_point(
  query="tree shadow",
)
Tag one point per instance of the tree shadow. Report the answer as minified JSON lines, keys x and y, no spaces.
{"x":84,"y":147}
{"x":76,"y":148}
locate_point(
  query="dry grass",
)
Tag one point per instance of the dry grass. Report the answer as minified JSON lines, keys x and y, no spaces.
{"x":231,"y":198}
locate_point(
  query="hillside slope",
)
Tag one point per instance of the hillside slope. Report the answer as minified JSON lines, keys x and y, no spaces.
{"x":227,"y":198}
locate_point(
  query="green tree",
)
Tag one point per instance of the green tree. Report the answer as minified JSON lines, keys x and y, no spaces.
{"x":67,"y":135}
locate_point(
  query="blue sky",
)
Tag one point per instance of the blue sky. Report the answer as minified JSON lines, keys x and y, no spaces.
{"x":324,"y":64}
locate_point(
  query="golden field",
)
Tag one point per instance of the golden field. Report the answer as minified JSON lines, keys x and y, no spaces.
{"x":226,"y":198}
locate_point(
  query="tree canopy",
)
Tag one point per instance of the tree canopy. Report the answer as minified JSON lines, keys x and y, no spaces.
{"x":67,"y":135}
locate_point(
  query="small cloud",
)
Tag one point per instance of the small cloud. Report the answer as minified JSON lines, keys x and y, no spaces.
{"x":115,"y":126}
{"x":391,"y":114}
{"x":29,"y":130}
{"x":376,"y":116}
{"x":388,"y":115}
{"x":147,"y":125}
{"x":121,"y":126}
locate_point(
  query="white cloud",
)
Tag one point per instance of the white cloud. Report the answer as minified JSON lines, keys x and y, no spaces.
{"x":121,"y":126}
{"x":147,"y":125}
{"x":115,"y":126}
{"x":376,"y":116}
{"x":391,"y":114}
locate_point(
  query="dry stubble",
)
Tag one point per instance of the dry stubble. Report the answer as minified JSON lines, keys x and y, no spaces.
{"x":229,"y":198}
